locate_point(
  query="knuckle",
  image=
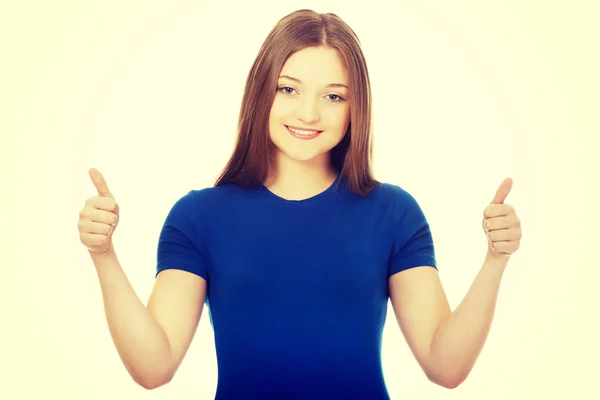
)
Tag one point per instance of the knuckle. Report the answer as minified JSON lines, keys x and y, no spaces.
{"x":112,"y":204}
{"x":111,"y":218}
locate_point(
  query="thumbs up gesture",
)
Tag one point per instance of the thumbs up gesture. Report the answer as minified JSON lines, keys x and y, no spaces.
{"x":501,"y":224}
{"x":99,"y":217}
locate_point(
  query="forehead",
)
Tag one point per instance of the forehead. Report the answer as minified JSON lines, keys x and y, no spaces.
{"x":316,"y":66}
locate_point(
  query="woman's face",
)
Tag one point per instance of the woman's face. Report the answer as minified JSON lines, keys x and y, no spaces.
{"x":313,"y":99}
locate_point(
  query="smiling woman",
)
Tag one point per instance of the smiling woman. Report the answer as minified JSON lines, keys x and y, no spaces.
{"x":310,"y":74}
{"x":308,"y":108}
{"x":297,"y":249}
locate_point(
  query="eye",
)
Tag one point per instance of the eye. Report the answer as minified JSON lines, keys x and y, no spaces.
{"x":285,"y":90}
{"x":335,"y":98}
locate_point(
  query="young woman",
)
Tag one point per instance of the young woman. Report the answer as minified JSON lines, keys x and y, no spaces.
{"x":297,"y":248}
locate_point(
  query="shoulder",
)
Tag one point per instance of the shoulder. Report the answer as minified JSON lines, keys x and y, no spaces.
{"x":206,"y":199}
{"x":392,"y":192}
{"x":398,"y":200}
{"x":215,"y":194}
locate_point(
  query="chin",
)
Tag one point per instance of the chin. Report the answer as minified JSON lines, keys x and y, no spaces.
{"x":299,"y":155}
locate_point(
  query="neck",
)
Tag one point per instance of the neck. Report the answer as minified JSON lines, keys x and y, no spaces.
{"x":299,"y":180}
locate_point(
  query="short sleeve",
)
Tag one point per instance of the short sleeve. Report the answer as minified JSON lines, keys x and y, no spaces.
{"x":413,"y":241}
{"x":180,"y":244}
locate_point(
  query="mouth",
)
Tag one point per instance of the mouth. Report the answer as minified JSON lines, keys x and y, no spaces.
{"x":304,"y":134}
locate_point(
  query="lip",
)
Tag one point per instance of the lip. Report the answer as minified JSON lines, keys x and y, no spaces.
{"x":303,"y":137}
{"x":303,"y":129}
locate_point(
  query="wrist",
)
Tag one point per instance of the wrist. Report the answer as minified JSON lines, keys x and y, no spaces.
{"x":101,"y":255}
{"x":496,"y":260}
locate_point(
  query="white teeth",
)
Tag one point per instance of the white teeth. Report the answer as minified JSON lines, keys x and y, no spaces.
{"x":302,"y":132}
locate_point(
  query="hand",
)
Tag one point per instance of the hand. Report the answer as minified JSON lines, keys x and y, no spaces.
{"x":501,"y":224}
{"x":99,"y":217}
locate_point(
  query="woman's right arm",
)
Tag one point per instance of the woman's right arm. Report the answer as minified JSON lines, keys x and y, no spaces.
{"x":151,"y":340}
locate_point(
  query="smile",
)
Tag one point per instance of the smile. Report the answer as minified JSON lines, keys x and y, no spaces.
{"x":305,"y":134}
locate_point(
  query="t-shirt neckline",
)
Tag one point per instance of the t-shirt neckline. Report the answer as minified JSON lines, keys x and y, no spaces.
{"x":325,"y":195}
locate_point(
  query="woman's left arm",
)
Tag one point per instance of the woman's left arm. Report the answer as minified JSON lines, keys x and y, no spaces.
{"x":446,"y":344}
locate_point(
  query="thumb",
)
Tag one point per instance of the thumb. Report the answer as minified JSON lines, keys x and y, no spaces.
{"x":100,"y":183}
{"x":503,"y":191}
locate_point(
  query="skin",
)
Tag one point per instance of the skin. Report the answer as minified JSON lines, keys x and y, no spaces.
{"x":301,"y":168}
{"x":152,"y":340}
{"x":446,"y":344}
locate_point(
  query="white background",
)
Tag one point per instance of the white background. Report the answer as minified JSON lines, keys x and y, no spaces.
{"x":465,"y":95}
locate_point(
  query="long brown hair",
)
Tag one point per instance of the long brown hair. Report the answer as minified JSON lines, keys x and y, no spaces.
{"x":249,"y":163}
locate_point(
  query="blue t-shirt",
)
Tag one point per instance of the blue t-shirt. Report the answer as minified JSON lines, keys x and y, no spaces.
{"x":297,"y":290}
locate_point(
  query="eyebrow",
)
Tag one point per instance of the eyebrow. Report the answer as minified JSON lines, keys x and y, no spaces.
{"x":331,"y":85}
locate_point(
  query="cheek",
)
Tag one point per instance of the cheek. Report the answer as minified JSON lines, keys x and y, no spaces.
{"x":276,"y":116}
{"x":280,"y":109}
{"x":342,"y":118}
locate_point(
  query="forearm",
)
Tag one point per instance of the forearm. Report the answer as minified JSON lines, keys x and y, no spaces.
{"x":459,"y":340}
{"x":140,"y":341}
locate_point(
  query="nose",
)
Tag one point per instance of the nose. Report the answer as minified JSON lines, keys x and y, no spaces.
{"x":307,"y":111}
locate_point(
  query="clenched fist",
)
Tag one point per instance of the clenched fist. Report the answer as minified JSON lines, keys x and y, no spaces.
{"x":99,"y":217}
{"x":501,"y":224}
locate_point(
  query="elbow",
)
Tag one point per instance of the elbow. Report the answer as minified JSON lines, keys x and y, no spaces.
{"x":151,"y":381}
{"x":451,"y":384}
{"x":151,"y":384}
{"x":447,"y":379}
